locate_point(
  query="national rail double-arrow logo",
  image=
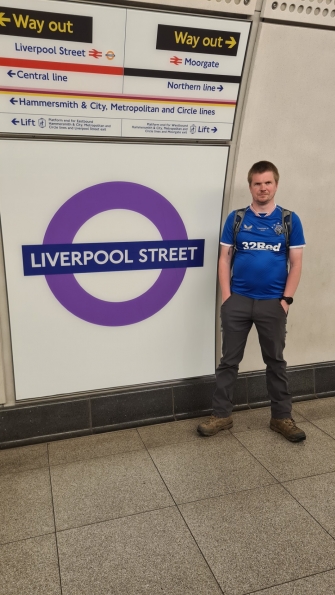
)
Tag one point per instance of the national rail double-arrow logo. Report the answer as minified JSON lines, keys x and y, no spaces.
{"x":175,"y":60}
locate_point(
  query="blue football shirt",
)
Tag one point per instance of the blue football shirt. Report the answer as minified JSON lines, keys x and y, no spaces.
{"x":260,"y":270}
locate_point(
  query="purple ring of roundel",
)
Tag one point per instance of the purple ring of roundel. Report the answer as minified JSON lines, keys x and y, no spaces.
{"x":90,"y":202}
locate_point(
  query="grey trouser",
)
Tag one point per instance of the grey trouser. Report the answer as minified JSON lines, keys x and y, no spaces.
{"x":238,"y":313}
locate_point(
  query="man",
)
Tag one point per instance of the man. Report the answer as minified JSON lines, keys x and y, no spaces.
{"x":259,"y":291}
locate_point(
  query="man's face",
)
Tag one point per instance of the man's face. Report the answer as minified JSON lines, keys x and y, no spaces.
{"x":263,"y":188}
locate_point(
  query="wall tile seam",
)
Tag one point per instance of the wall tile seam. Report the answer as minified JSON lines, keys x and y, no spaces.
{"x":90,"y":413}
{"x":300,"y":24}
{"x":173,"y":403}
{"x":2,"y":369}
{"x":7,"y":380}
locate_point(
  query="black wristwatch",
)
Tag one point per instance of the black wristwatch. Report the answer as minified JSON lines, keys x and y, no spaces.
{"x":288,"y":300}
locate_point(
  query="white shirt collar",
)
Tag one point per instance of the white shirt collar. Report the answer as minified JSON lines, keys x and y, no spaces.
{"x":265,"y":214}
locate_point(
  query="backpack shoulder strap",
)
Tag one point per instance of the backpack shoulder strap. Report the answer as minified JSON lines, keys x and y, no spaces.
{"x":287,"y":227}
{"x":238,"y":218}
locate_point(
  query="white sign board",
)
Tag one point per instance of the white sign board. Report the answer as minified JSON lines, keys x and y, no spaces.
{"x":111,"y":262}
{"x":77,"y":69}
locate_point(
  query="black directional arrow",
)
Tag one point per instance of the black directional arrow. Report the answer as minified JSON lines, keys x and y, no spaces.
{"x":11,"y":73}
{"x":15,"y":122}
{"x":13,"y":101}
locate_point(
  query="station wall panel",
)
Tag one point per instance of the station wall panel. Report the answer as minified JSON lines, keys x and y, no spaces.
{"x":289,"y":120}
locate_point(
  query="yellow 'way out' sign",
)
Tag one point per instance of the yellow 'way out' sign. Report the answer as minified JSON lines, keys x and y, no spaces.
{"x":46,"y":25}
{"x":200,"y":41}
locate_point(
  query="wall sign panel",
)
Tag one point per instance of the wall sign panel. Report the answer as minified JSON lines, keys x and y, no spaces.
{"x":111,"y":263}
{"x":76,"y":69}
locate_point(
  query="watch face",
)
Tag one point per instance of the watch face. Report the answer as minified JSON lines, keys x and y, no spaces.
{"x":288,"y":300}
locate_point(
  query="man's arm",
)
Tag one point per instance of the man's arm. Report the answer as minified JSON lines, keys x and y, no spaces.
{"x":224,"y":271}
{"x":293,"y":278}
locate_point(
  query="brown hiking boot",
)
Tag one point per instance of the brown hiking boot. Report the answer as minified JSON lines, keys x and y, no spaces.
{"x":288,"y":428}
{"x":214,"y":424}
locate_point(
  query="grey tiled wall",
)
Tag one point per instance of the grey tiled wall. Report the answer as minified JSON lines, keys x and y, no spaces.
{"x":77,"y":416}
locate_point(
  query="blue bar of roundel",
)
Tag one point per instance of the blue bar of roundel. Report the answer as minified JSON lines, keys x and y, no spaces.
{"x":62,"y":259}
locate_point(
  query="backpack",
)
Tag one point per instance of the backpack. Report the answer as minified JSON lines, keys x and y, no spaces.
{"x":286,"y":223}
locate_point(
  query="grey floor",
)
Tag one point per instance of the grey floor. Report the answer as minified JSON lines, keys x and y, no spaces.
{"x":160,"y":510}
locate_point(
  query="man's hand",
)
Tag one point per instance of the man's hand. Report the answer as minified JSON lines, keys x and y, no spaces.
{"x":285,"y":306}
{"x":225,"y":298}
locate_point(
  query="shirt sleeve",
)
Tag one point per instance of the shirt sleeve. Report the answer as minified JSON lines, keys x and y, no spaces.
{"x":227,"y":237}
{"x":297,"y":239}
